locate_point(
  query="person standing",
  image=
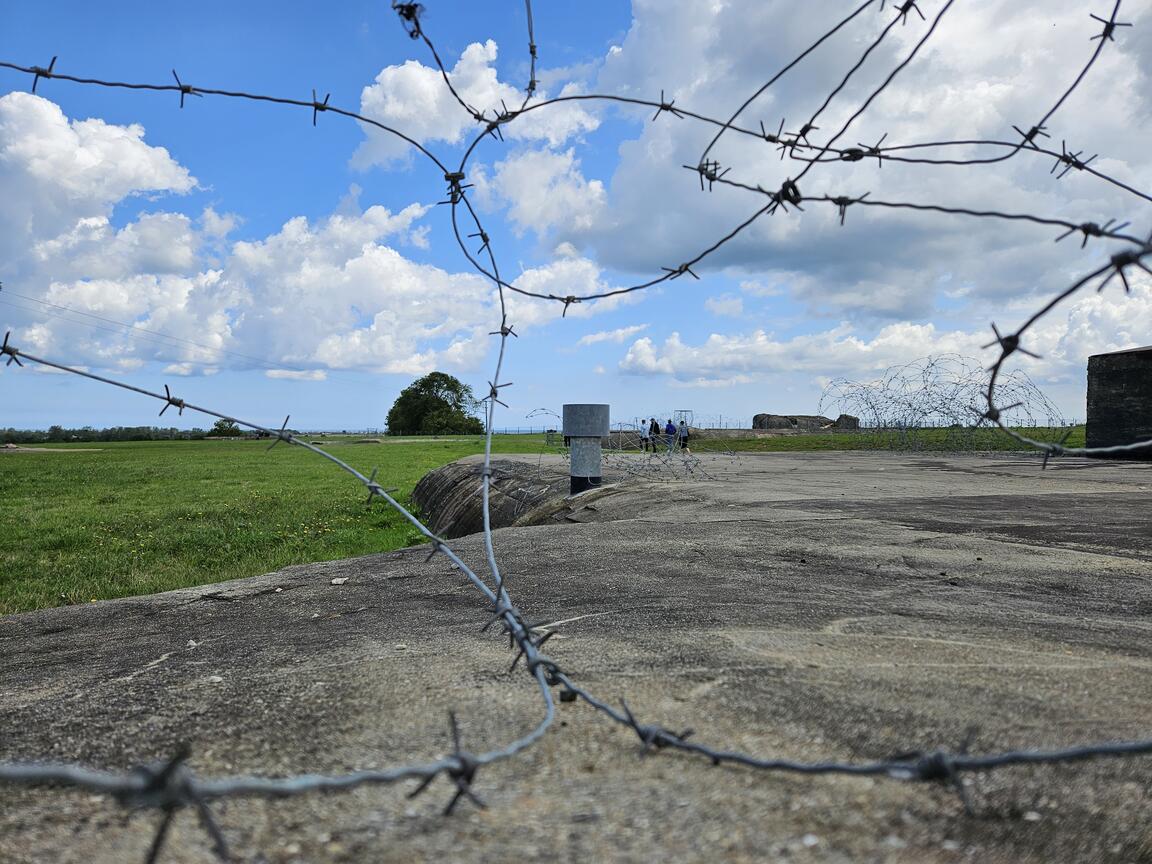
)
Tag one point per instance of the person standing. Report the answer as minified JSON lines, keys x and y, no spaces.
{"x":683,"y":434}
{"x":653,"y":432}
{"x":670,"y":434}
{"x":645,"y":435}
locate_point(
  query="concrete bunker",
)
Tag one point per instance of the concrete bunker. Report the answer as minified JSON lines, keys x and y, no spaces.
{"x":805,"y":422}
{"x":1120,"y":400}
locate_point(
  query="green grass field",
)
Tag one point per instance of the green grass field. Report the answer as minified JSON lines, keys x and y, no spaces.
{"x":141,"y":517}
{"x":940,"y":440}
{"x":137,"y":518}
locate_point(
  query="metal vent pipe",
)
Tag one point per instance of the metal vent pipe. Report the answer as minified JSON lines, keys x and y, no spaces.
{"x":585,"y":426}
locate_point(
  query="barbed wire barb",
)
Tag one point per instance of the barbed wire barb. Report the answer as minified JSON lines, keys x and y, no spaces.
{"x":10,"y":351}
{"x":1110,"y":25}
{"x":187,"y":90}
{"x":666,"y":105}
{"x":172,"y":401}
{"x":39,"y":72}
{"x":317,"y":107}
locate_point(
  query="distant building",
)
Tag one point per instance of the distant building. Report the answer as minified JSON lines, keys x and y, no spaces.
{"x":804,"y":422}
{"x":1120,"y":399}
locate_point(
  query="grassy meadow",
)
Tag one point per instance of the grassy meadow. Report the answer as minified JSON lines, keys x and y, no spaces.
{"x":122,"y":519}
{"x":127,"y":518}
{"x":930,"y":440}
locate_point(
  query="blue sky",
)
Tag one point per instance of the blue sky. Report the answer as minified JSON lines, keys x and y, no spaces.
{"x":262,"y":267}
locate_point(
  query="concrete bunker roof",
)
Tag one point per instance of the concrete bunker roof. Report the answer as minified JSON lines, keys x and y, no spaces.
{"x":1147,"y":348}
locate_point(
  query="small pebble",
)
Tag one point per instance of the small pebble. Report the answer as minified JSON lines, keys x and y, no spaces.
{"x":215,"y":679}
{"x":810,"y":840}
{"x":1032,"y":816}
{"x":339,"y":580}
{"x":401,"y":647}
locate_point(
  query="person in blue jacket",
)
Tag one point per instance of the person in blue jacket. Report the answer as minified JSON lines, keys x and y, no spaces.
{"x":670,"y":434}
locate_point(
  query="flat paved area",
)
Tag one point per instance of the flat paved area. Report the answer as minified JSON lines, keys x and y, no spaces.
{"x":803,"y":606}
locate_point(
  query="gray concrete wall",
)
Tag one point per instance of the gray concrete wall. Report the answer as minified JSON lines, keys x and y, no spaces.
{"x":1120,"y":398}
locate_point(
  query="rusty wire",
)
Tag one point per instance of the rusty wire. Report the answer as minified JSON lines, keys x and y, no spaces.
{"x":170,"y":785}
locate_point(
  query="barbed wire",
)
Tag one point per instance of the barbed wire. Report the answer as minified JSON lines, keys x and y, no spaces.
{"x":709,"y":172}
{"x":169,"y":786}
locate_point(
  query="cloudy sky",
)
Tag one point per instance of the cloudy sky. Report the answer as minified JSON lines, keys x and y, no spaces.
{"x":261,"y":266}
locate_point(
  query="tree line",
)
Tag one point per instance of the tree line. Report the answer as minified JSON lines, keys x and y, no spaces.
{"x":62,"y":434}
{"x":436,"y":404}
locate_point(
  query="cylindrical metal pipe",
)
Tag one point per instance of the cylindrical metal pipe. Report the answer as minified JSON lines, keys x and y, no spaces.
{"x":586,"y":471}
{"x":584,"y":427}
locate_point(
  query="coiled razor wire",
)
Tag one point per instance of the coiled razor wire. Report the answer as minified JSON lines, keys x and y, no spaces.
{"x":170,"y":785}
{"x":932,"y":402}
{"x":632,"y":453}
{"x":629,"y":452}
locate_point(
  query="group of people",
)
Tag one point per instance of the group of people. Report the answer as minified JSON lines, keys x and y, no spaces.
{"x":650,"y":435}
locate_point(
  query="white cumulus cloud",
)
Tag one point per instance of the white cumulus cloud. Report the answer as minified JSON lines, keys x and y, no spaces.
{"x":413,"y":99}
{"x":618,"y":336}
{"x":56,"y":172}
{"x":320,"y":294}
{"x":542,"y":189}
{"x":725,"y":305}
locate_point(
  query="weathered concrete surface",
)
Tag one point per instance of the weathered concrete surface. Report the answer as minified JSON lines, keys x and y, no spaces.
{"x":806,"y":606}
{"x":806,"y":422}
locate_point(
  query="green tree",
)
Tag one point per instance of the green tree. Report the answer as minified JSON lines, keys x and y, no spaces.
{"x":436,"y":404}
{"x":225,"y":429}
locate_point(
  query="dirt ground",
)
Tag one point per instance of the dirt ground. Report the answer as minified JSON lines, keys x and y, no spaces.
{"x":804,"y":606}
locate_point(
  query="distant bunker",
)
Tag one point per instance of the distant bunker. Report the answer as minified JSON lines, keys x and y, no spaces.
{"x":1120,"y":400}
{"x":806,"y":422}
